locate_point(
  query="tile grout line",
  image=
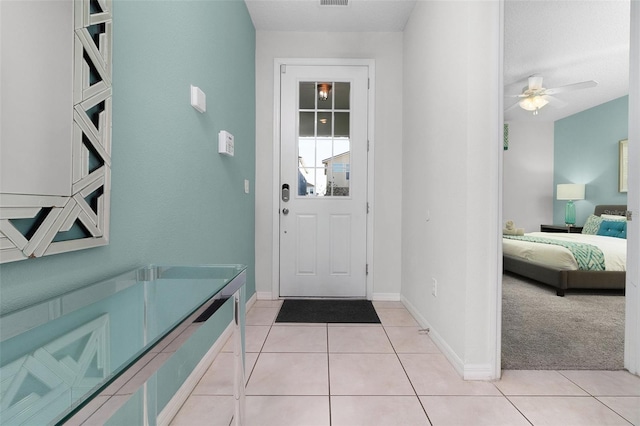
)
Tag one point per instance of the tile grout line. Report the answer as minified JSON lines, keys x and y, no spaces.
{"x":588,"y":396}
{"x":397,"y":354}
{"x":406,"y":374}
{"x":260,"y":351}
{"x":621,"y":416}
{"x":595,"y":396}
{"x":513,"y":404}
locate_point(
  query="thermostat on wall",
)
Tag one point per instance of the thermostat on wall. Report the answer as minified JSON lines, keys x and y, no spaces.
{"x":225,"y":143}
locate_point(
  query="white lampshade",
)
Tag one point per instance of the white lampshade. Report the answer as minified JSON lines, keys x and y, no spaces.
{"x":533,"y":103}
{"x":570,"y":191}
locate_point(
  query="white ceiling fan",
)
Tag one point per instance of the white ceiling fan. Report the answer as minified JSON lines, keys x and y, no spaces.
{"x":534,"y":96}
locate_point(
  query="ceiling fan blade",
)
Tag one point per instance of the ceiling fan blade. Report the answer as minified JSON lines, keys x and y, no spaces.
{"x":512,"y":106}
{"x":570,"y":87}
{"x":558,"y":103}
{"x":522,"y":95}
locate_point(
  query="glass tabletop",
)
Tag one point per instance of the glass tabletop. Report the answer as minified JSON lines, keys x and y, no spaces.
{"x":55,"y":355}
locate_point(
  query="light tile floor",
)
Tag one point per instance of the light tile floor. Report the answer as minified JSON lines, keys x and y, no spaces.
{"x":392,"y":374}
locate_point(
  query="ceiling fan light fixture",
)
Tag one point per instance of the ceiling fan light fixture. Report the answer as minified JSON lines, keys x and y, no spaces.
{"x":533,"y":103}
{"x":535,"y":82}
{"x":534,"y":96}
{"x":323,"y":91}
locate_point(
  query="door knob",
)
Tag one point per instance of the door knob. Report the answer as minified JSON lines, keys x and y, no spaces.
{"x":285,"y":211}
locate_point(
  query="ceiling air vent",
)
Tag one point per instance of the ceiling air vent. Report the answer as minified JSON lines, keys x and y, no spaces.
{"x":334,"y":2}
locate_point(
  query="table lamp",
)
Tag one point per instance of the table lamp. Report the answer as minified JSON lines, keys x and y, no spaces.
{"x":570,"y":192}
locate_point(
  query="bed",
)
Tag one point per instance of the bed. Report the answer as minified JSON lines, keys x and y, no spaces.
{"x":553,"y":265}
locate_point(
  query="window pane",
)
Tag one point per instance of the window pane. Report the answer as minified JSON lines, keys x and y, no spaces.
{"x":328,"y":177}
{"x":307,"y":95}
{"x":306,"y":152}
{"x":311,"y":181}
{"x":328,"y":103}
{"x":307,"y":127}
{"x":342,"y":93}
{"x":341,"y":126}
{"x":324,"y":140}
{"x":341,"y":145}
{"x":340,"y":174}
{"x":318,"y":185}
{"x":324,"y":149}
{"x":304,"y":181}
{"x":324,"y":124}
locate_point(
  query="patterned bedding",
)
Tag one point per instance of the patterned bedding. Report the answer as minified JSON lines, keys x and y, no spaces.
{"x":557,"y":250}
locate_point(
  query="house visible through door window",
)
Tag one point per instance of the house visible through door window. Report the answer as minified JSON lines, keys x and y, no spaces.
{"x":324,"y":145}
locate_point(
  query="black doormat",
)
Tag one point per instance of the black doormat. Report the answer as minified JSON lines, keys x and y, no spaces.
{"x":333,"y":311}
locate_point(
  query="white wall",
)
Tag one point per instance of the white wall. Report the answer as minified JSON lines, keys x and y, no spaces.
{"x":451,"y":176}
{"x":386,"y":50}
{"x":528,"y":175}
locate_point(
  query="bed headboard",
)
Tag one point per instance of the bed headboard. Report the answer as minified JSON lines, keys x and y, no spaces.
{"x":615,"y":209}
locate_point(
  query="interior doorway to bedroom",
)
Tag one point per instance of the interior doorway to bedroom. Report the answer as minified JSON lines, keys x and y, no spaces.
{"x":529,"y":186}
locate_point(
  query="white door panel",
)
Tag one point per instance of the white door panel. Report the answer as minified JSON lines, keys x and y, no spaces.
{"x":323,"y":223}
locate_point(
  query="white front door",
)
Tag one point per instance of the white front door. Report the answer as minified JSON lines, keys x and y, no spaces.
{"x":323,"y":181}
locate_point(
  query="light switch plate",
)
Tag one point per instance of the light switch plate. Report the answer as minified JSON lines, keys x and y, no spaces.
{"x":246,"y":186}
{"x":198,"y":99}
{"x":225,"y":143}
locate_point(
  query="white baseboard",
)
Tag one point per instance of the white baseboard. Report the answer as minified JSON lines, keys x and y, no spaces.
{"x":171,"y":409}
{"x":251,"y":301}
{"x":466,"y":371}
{"x":386,"y":297}
{"x":265,"y":295}
{"x":447,"y":351}
{"x":478,"y":372}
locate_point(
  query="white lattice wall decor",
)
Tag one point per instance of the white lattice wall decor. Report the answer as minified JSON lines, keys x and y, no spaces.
{"x":34,"y":225}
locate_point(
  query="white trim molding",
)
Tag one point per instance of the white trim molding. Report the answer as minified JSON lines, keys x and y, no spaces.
{"x":466,"y":371}
{"x":447,"y":351}
{"x":265,"y":295}
{"x":386,"y":297}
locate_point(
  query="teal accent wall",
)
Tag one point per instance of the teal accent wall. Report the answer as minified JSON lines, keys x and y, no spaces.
{"x":586,"y":151}
{"x":174,"y":199}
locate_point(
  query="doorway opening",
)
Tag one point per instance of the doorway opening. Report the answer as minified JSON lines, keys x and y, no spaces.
{"x":617,"y":327}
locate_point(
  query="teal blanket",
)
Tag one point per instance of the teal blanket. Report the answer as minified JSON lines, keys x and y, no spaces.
{"x":589,"y":257}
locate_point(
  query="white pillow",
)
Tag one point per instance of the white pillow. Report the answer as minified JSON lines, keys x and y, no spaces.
{"x":613,"y":217}
{"x":592,"y":225}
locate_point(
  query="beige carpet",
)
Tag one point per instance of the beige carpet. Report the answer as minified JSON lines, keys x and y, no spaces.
{"x":541,"y":331}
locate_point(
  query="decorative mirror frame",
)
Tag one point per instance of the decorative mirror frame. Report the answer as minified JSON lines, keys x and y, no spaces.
{"x":89,"y":204}
{"x":623,"y":165}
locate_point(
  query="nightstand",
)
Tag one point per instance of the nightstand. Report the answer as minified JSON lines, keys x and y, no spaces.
{"x":561,"y":228}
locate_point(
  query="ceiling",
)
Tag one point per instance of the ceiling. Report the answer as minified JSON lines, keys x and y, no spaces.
{"x":564,"y":41}
{"x":309,"y":15}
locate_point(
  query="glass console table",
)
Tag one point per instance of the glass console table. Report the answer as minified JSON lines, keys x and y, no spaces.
{"x":116,"y":352}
